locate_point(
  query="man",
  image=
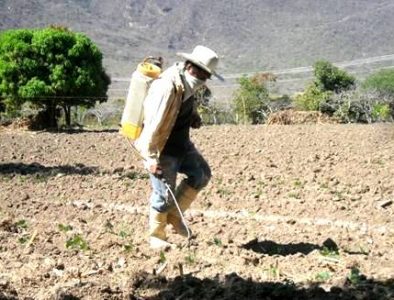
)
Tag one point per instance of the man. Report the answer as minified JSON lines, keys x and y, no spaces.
{"x":169,"y":112}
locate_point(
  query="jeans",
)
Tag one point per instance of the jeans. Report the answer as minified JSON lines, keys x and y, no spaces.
{"x":191,"y":163}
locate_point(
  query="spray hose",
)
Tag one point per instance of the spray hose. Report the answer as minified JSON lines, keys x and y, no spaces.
{"x":169,"y":190}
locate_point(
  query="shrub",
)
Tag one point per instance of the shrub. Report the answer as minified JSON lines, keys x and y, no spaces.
{"x":251,"y":100}
{"x":381,"y":81}
{"x":312,"y":98}
{"x":360,"y":106}
{"x":330,"y":78}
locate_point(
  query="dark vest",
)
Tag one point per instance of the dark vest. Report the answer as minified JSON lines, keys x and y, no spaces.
{"x":179,"y":140}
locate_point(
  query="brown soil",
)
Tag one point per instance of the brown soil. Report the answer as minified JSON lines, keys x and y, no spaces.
{"x":294,"y":117}
{"x":292,"y":212}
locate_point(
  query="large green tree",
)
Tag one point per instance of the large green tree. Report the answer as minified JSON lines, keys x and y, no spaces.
{"x":51,"y":68}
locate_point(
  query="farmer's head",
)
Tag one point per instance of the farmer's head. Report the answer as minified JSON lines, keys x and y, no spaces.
{"x":200,"y":65}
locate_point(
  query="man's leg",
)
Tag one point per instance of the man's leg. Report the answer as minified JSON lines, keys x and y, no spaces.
{"x":198,"y":173}
{"x":161,"y":202}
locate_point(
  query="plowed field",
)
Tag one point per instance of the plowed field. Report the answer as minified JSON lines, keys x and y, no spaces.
{"x":291,"y":212}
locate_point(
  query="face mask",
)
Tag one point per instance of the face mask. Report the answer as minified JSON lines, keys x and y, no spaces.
{"x":193,"y":82}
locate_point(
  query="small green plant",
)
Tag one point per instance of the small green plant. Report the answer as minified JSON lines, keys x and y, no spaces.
{"x":123,"y":234}
{"x":329,"y":252}
{"x":272,"y":271}
{"x":377,"y":161}
{"x":163,"y":258}
{"x":21,"y":224}
{"x":217,"y":242}
{"x":298,"y":183}
{"x":294,"y":195}
{"x":223,"y":192}
{"x":23,"y":240}
{"x":190,"y":258}
{"x":128,"y":247}
{"x":323,"y":276}
{"x":128,"y":244}
{"x":64,"y":228}
{"x":77,"y":242}
{"x":355,"y":276}
{"x":324,"y":185}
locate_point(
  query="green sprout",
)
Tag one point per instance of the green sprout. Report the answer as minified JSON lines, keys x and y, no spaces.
{"x":77,"y":242}
{"x":355,"y":276}
{"x":327,"y":252}
{"x":123,"y":234}
{"x":217,"y":242}
{"x":162,"y":257}
{"x":272,"y":271}
{"x":23,"y":240}
{"x":21,"y":224}
{"x":190,"y":258}
{"x":64,"y":228}
{"x":128,"y":247}
{"x":323,"y":276}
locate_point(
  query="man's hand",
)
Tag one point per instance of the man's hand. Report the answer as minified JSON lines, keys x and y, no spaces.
{"x":155,"y":169}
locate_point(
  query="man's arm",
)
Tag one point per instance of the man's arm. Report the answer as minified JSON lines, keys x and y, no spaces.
{"x":156,"y":108}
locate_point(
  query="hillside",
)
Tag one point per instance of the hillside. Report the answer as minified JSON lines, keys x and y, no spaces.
{"x":250,"y":35}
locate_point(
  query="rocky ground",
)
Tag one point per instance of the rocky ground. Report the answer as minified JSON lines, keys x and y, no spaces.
{"x":292,"y":212}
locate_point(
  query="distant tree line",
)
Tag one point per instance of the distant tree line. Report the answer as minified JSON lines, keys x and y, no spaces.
{"x":333,"y":92}
{"x":57,"y":72}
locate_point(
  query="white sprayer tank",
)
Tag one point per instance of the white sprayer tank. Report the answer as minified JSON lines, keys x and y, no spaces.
{"x":133,"y":113}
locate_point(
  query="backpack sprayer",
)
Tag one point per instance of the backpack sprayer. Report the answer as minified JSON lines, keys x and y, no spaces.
{"x":133,"y":113}
{"x":141,"y":79}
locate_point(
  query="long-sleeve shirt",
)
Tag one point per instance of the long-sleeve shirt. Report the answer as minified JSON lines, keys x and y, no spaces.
{"x":161,"y":108}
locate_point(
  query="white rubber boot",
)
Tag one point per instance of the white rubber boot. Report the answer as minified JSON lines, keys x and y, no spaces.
{"x":157,"y":230}
{"x":185,"y":195}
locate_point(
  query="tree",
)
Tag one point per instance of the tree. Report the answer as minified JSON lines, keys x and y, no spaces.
{"x":251,"y":99}
{"x":52,"y":68}
{"x":330,"y":78}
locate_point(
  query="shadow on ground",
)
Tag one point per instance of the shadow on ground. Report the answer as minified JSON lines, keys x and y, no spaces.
{"x":227,"y":287}
{"x":273,"y":248}
{"x":78,"y":131}
{"x":233,"y":286}
{"x":36,"y":168}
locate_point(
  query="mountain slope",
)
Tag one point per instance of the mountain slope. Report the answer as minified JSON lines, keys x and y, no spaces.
{"x":250,"y":35}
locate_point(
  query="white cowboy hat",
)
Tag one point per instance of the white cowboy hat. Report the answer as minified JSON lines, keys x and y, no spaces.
{"x":204,"y":58}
